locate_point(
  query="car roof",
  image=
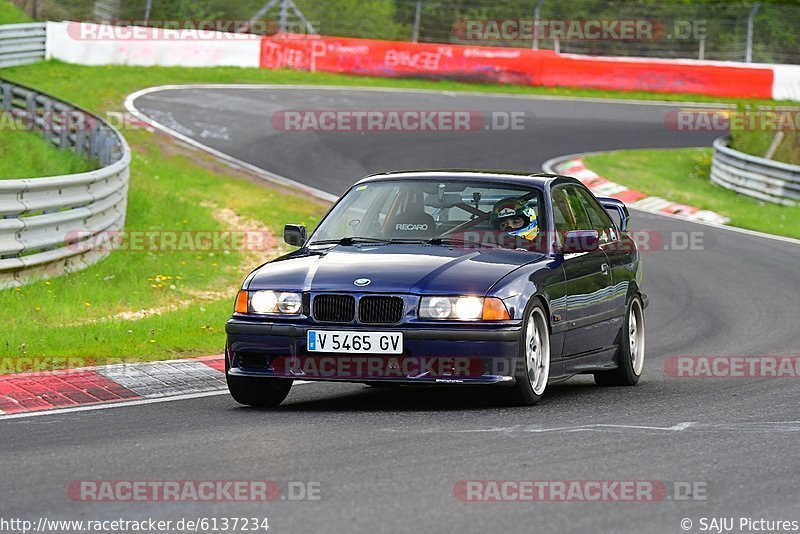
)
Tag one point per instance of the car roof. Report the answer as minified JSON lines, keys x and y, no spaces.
{"x":477,"y":175}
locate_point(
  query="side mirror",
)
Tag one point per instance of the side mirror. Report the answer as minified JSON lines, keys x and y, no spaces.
{"x":579,"y":241}
{"x":294,"y":234}
{"x":619,"y":207}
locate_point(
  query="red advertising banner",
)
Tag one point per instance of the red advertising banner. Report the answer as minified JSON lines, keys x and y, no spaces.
{"x":511,"y":65}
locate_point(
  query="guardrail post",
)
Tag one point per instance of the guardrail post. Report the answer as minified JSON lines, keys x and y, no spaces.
{"x":417,"y":17}
{"x":748,"y":56}
{"x":537,"y":14}
{"x":6,"y":96}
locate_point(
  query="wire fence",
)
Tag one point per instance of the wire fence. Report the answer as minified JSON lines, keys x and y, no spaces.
{"x":763,"y":32}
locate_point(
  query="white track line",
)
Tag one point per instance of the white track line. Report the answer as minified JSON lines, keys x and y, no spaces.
{"x":123,"y":404}
{"x":230,"y":160}
{"x":107,"y":406}
{"x":600,"y":100}
{"x":688,"y":426}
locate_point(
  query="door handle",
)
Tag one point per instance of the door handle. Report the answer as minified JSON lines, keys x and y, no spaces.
{"x":605,"y":269}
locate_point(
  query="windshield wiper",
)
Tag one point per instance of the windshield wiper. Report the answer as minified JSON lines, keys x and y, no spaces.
{"x":355,"y":240}
{"x":348,"y":241}
{"x":455,"y":241}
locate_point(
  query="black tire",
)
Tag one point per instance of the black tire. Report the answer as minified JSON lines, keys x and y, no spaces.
{"x":523,"y":393}
{"x":626,"y":373}
{"x":259,"y":392}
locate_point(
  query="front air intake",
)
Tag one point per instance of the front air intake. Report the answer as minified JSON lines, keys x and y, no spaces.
{"x":334,"y":308}
{"x":380,"y":310}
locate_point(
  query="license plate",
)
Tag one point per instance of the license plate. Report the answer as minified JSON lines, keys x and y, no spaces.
{"x":355,"y":342}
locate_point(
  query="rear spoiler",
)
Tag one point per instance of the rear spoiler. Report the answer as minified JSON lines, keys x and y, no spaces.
{"x":618,"y":206}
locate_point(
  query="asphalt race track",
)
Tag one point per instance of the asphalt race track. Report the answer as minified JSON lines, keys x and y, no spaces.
{"x":387,"y":460}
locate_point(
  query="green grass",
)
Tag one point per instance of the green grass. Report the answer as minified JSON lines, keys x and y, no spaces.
{"x":757,"y":143}
{"x":682,"y":175}
{"x":11,"y":14}
{"x":24,"y":154}
{"x":172,"y":188}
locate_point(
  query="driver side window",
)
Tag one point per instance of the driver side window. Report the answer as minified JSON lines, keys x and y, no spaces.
{"x":600,"y":220}
{"x":569,"y":212}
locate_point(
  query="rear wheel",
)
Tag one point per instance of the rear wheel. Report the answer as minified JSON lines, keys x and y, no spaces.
{"x":533,"y":362}
{"x":630,"y":354}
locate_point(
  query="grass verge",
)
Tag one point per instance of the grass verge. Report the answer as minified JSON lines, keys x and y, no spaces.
{"x":24,"y":154}
{"x":757,"y":144}
{"x":148,"y":304}
{"x":11,"y":14}
{"x":682,"y":175}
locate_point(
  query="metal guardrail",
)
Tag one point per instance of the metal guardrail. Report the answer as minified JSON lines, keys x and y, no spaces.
{"x":761,"y":178}
{"x":21,"y":44}
{"x":58,"y":224}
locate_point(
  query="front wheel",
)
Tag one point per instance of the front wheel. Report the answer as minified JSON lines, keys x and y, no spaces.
{"x":259,"y":392}
{"x":533,"y":361}
{"x":630,"y":354}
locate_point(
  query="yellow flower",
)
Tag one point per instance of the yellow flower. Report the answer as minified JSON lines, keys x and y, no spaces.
{"x":87,"y":304}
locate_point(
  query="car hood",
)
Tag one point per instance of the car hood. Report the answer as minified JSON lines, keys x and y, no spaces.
{"x":406,"y":268}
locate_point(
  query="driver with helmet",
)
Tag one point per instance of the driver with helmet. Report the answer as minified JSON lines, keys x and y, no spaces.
{"x":515,"y":217}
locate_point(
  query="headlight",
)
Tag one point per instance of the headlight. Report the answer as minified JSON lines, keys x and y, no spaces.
{"x":264,"y":302}
{"x":269,"y":302}
{"x":469,"y":308}
{"x":436,"y":308}
{"x":463,"y":308}
{"x":289,"y":303}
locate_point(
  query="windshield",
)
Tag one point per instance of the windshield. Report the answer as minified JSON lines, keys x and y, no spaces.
{"x":473,"y":213}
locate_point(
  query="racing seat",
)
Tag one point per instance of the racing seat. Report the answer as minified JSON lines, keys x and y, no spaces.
{"x":413,"y":222}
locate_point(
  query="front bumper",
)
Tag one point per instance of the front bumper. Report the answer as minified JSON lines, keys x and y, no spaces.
{"x":462,"y":354}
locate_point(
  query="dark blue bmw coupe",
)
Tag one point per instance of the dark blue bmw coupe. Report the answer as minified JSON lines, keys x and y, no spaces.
{"x":446,"y":277}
